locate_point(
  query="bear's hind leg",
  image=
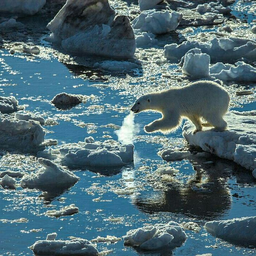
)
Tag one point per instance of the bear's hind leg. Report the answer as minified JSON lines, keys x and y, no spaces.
{"x":197,"y":122}
{"x":217,"y":122}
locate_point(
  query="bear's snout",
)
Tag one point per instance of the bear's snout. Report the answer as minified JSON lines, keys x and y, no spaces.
{"x":135,"y":108}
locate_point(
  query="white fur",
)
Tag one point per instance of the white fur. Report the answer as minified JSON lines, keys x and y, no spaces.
{"x":202,"y":99}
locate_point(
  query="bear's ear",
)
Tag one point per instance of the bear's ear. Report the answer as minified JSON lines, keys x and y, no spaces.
{"x":148,"y":99}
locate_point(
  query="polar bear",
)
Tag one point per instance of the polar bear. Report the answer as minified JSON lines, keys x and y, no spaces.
{"x":201,"y":99}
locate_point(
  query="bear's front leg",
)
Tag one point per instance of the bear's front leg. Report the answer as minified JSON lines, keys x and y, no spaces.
{"x":165,"y":124}
{"x":159,"y":124}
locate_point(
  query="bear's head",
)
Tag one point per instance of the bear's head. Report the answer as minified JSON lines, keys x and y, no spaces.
{"x":142,"y":104}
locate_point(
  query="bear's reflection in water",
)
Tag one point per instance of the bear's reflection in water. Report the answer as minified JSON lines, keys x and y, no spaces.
{"x":204,"y":196}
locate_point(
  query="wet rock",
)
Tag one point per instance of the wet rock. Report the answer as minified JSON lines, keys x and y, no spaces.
{"x":92,"y":28}
{"x":66,"y":101}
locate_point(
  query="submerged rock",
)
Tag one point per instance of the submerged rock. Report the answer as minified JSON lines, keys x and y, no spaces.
{"x":240,"y":231}
{"x":236,"y":144}
{"x":157,"y":237}
{"x":91,"y":28}
{"x":25,"y":7}
{"x":50,"y":178}
{"x":20,"y":135}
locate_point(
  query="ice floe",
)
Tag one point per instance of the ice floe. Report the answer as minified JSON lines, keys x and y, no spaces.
{"x":236,"y":144}
{"x":239,"y":72}
{"x":67,"y":210}
{"x":8,"y":105}
{"x":25,"y":7}
{"x":77,"y":246}
{"x":20,"y":135}
{"x":157,"y":22}
{"x":239,"y":231}
{"x":157,"y":237}
{"x":228,"y":50}
{"x":93,"y":28}
{"x":8,"y":182}
{"x":25,"y":116}
{"x":50,"y":178}
{"x":196,"y":65}
{"x":108,"y":154}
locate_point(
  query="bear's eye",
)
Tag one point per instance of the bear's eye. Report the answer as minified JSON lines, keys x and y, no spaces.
{"x":148,"y":100}
{"x":138,"y":103}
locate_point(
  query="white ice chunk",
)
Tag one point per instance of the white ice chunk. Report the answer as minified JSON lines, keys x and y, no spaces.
{"x":144,"y":39}
{"x":196,"y":64}
{"x":49,"y":178}
{"x":64,"y":247}
{"x":227,"y":50}
{"x":30,"y":116}
{"x":158,"y":242}
{"x":156,"y":237}
{"x":109,"y":154}
{"x":240,"y":231}
{"x":93,"y":29}
{"x":240,"y":72}
{"x":19,"y":135}
{"x":237,"y":143}
{"x":8,"y":104}
{"x":8,"y":182}
{"x":29,"y":7}
{"x":67,"y":210}
{"x":157,"y":22}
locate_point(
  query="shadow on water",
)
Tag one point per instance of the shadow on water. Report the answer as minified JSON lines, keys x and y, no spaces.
{"x":204,"y":196}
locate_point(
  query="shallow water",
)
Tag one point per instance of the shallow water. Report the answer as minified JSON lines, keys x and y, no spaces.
{"x":115,"y":203}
